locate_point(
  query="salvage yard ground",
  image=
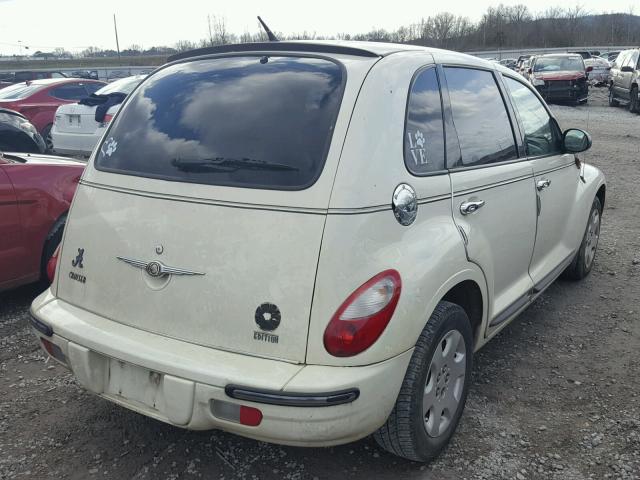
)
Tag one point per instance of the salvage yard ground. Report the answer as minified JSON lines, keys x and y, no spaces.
{"x":555,"y":396}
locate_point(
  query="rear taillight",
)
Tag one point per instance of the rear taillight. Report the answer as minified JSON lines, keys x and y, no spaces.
{"x":362,"y":318}
{"x":52,"y":264}
{"x":107,"y":119}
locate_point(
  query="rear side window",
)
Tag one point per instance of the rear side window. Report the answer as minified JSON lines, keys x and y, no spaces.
{"x":541,"y":134}
{"x":73,"y":91}
{"x":480,"y":117}
{"x":18,"y":91}
{"x":247,"y":121}
{"x":424,"y":131}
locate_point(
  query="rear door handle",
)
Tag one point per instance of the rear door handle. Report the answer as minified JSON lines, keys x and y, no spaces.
{"x":542,"y":184}
{"x":470,"y":207}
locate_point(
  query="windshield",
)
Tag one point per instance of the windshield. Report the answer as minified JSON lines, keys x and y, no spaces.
{"x":249,"y":121}
{"x":556,"y":64}
{"x":124,"y":85}
{"x":18,"y":91}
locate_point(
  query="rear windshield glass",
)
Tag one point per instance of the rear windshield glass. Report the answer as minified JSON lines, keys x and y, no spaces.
{"x":18,"y":91}
{"x":249,"y":121}
{"x":124,"y":85}
{"x":556,"y":64}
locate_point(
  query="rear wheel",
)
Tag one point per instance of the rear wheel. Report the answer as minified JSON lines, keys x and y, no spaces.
{"x":583,"y":261}
{"x":48,"y":140}
{"x":633,"y":100}
{"x":612,"y":98}
{"x":434,"y":390}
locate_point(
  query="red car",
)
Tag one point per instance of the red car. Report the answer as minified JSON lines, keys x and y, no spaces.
{"x":38,"y":100}
{"x":35,"y":195}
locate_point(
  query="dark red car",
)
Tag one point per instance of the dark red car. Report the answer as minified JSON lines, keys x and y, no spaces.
{"x":35,"y":195}
{"x":38,"y":100}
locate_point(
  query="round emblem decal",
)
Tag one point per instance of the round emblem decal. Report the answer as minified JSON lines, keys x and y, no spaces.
{"x":268,"y":317}
{"x":154,"y":269}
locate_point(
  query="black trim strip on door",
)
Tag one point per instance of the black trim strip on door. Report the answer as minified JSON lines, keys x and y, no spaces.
{"x":553,"y":274}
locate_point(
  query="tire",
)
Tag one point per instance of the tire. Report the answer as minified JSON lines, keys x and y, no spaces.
{"x":612,"y":98}
{"x":583,"y":261}
{"x":51,"y":243}
{"x":408,"y":432}
{"x":633,"y":100}
{"x":46,"y":136}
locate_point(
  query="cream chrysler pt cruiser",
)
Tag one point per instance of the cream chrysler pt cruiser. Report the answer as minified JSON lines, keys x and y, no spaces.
{"x":305,"y":243}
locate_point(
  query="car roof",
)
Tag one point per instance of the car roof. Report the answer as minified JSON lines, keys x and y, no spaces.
{"x":53,"y":81}
{"x":564,"y":55}
{"x":344,"y":47}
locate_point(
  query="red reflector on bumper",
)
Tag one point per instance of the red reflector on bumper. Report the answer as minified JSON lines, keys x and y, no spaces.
{"x":250,"y":416}
{"x":233,"y":412}
{"x":53,"y":350}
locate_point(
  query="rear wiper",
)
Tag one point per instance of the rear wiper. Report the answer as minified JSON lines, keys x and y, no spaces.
{"x":226,"y":164}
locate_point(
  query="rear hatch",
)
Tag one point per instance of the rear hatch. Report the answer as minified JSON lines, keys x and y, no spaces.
{"x":221,"y":171}
{"x":76,"y":118}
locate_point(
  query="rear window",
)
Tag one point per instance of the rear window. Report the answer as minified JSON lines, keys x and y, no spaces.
{"x":125,"y":85}
{"x":248,"y":121}
{"x":18,"y":91}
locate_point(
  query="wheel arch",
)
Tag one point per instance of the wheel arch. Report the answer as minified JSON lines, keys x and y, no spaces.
{"x":60,"y":221}
{"x":468,"y":289}
{"x":601,"y":194}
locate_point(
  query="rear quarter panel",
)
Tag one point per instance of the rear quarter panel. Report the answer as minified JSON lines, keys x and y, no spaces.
{"x":362,"y":237}
{"x":44,"y":194}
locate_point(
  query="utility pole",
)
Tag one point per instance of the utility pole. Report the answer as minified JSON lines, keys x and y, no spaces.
{"x":115,"y":27}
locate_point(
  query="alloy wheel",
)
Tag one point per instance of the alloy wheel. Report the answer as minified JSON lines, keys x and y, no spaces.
{"x":593,"y":234}
{"x":444,"y":384}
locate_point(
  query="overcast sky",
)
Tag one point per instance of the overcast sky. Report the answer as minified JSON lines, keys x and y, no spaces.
{"x":75,"y":25}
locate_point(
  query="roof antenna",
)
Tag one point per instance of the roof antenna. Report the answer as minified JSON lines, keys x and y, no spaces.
{"x":272,"y":37}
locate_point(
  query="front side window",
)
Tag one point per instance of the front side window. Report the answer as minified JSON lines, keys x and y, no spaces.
{"x":248,"y":121}
{"x":480,"y":117}
{"x":424,"y":131}
{"x":632,"y":60}
{"x":541,"y":134}
{"x":620,"y":59}
{"x":70,"y":91}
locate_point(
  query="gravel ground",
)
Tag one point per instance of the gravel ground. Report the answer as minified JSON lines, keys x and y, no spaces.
{"x":554,"y":396}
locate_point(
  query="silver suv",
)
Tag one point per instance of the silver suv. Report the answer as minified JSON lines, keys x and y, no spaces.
{"x":623,"y":83}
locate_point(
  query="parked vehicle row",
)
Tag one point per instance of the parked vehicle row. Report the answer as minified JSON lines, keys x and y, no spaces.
{"x":9,"y":78}
{"x":282,"y":240}
{"x":38,"y":100}
{"x":77,"y":127}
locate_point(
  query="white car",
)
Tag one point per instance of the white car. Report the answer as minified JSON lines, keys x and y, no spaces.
{"x":305,"y":242}
{"x":75,"y":129}
{"x":600,"y":69}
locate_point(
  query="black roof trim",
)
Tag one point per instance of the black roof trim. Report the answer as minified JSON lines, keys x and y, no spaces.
{"x":273,"y":46}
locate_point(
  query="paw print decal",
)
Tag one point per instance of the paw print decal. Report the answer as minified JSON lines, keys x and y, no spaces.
{"x":109,"y":147}
{"x":419,"y":136}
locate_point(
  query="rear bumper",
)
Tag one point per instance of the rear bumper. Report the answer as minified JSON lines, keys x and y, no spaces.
{"x":74,"y":143}
{"x":303,"y":405}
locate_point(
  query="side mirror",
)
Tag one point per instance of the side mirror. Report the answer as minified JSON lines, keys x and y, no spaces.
{"x":575,"y":140}
{"x":627,"y":69}
{"x":589,"y":69}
